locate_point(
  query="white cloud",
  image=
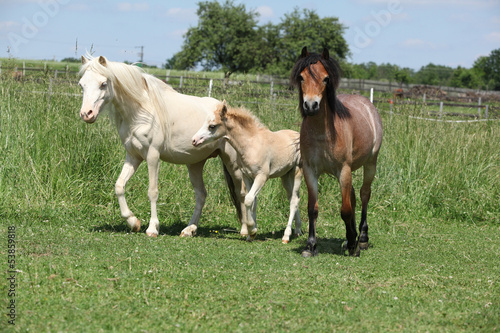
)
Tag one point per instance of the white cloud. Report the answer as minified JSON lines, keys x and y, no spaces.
{"x":8,"y":25}
{"x":418,"y":44}
{"x":135,"y":7}
{"x":182,"y":14}
{"x":493,"y":37}
{"x":265,"y":12}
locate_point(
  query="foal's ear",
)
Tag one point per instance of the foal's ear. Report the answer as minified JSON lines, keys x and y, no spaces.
{"x":304,"y":53}
{"x":325,"y":54}
{"x":103,"y":61}
{"x":223,"y":110}
{"x":84,"y":60}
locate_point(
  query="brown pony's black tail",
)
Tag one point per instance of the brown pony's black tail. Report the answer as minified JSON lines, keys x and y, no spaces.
{"x":234,"y":196}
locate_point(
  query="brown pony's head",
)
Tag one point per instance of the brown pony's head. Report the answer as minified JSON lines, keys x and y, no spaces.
{"x":317,"y":76}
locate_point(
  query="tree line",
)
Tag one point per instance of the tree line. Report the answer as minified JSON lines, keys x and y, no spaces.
{"x":228,"y":38}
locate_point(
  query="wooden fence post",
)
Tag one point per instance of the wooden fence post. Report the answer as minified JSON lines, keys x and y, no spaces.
{"x":440,"y":110}
{"x":210,"y":87}
{"x":479,"y":108}
{"x":180,"y":83}
{"x":486,"y":112}
{"x":371,"y":95}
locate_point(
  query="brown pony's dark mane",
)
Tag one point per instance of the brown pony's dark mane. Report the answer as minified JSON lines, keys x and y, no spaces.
{"x":332,"y":68}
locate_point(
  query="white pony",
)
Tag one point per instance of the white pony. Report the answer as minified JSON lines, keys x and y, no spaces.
{"x":262,"y":154}
{"x":155,"y":122}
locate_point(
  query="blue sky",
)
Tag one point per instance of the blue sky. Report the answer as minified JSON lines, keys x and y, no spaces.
{"x":409,"y":33}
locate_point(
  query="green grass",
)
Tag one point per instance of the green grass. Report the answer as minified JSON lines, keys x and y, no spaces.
{"x":433,"y":217}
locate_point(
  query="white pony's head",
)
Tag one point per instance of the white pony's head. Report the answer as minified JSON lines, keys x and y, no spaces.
{"x":96,"y":86}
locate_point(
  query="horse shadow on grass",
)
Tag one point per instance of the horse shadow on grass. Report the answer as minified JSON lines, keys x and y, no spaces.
{"x":324,"y":245}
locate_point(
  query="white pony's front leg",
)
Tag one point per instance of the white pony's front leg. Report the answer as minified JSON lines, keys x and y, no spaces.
{"x":200,"y":194}
{"x":251,"y":204}
{"x":291,"y":183}
{"x":153,"y":161}
{"x":129,"y":168}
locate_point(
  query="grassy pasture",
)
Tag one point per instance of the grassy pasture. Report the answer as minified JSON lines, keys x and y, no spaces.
{"x":433,"y":217}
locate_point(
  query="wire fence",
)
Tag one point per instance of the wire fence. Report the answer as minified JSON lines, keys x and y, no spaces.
{"x":265,"y":89}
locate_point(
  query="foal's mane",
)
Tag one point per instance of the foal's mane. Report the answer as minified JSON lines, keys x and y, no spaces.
{"x":240,"y":115}
{"x":332,"y":68}
{"x":133,"y":86}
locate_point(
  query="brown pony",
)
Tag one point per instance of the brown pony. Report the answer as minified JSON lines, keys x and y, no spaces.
{"x":339,"y":134}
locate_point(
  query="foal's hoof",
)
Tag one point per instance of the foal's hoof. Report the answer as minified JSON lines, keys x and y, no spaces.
{"x":252,"y":235}
{"x":134,"y":223}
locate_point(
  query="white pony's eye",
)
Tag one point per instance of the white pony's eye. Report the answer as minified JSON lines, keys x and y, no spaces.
{"x":104,"y":85}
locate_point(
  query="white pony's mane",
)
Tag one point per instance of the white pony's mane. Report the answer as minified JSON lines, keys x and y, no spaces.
{"x":132,"y":86}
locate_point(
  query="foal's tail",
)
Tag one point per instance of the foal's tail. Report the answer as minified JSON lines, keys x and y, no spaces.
{"x":234,"y":196}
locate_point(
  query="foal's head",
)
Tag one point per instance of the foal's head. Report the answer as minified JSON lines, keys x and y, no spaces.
{"x":213,"y":128}
{"x":317,"y":77}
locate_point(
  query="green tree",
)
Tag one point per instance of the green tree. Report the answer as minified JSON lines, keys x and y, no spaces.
{"x":488,"y":69}
{"x":223,"y":39}
{"x":464,"y":78}
{"x":305,"y":28}
{"x":436,"y":75}
{"x":227,"y":37}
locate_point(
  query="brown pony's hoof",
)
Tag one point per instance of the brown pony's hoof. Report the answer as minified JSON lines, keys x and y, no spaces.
{"x":363,"y":245}
{"x":309,"y":253}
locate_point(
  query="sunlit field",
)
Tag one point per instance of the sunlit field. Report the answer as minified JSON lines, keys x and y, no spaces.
{"x":434,"y":230}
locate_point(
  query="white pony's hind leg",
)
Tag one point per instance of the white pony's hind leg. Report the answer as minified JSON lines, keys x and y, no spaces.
{"x":153,"y":169}
{"x":129,"y":168}
{"x":200,"y":193}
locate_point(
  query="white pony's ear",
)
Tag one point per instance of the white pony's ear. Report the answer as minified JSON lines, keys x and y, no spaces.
{"x":84,"y":60}
{"x":102,"y":61}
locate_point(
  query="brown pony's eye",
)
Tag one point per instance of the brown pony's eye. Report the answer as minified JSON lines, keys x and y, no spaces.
{"x":326,"y":80}
{"x":301,"y":79}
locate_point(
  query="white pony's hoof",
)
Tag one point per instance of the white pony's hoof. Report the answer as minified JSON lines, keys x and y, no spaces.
{"x":285,"y":241}
{"x":189,"y":231}
{"x":134,"y":224}
{"x":152,"y":234}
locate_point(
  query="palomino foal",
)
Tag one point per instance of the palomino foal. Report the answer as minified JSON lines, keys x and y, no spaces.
{"x":262,"y":154}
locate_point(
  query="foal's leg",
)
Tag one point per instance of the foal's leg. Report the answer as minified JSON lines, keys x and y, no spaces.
{"x":312,"y":210}
{"x":291,"y":183}
{"x":153,"y":160}
{"x":365,"y":193}
{"x":200,"y":194}
{"x":251,"y":204}
{"x":129,"y":168}
{"x":347,"y":210}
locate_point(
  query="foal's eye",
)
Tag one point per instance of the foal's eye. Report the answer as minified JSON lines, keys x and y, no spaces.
{"x":212,"y":127}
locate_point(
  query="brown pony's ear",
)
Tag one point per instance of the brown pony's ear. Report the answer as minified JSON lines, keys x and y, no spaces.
{"x":102,"y":61}
{"x":84,"y":60}
{"x":325,"y":54}
{"x":304,"y":53}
